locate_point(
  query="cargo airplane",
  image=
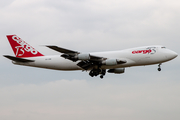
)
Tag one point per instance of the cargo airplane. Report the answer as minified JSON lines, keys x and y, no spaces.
{"x":97,"y":63}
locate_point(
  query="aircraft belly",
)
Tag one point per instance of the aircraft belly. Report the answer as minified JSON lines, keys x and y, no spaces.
{"x":129,"y":63}
{"x":56,"y":63}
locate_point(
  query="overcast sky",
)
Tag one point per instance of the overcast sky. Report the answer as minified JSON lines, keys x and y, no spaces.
{"x":142,"y":93}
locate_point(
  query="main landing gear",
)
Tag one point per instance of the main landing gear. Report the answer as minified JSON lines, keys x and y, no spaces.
{"x":159,"y":67}
{"x":96,"y":72}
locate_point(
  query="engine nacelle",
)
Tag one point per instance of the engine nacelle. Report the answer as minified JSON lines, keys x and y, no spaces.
{"x":111,"y":62}
{"x":83,"y":56}
{"x":117,"y":70}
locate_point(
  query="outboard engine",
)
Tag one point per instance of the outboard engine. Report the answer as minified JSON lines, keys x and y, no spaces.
{"x":84,"y":56}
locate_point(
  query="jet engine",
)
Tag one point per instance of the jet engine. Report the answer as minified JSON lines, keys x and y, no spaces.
{"x":113,"y":62}
{"x":84,"y":56}
{"x":116,"y":70}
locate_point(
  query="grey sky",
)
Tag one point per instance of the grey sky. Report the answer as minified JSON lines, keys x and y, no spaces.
{"x":142,"y":93}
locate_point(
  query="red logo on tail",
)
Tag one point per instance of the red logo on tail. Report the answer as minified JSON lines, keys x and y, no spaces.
{"x":21,"y":48}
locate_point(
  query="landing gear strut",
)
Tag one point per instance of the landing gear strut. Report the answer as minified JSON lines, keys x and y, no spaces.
{"x":96,"y":72}
{"x":159,"y":67}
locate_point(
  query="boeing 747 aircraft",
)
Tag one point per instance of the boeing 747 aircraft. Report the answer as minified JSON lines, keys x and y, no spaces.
{"x":97,"y":63}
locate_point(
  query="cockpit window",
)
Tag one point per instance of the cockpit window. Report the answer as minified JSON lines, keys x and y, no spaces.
{"x":163,"y":47}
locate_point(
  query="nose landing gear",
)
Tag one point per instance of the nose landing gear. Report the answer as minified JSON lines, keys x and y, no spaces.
{"x":159,"y":67}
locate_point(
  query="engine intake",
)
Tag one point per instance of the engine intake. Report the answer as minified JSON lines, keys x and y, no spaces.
{"x":116,"y":70}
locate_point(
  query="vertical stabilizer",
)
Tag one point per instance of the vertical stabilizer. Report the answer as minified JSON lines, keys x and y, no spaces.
{"x":21,"y":48}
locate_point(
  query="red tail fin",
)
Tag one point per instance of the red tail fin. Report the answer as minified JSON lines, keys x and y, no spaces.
{"x":21,"y":48}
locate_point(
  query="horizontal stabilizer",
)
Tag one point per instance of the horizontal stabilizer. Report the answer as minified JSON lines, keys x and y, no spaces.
{"x":16,"y":59}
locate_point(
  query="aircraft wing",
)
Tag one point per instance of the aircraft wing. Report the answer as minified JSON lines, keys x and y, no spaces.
{"x":62,"y":50}
{"x":87,"y":61}
{"x":74,"y":56}
{"x":69,"y":53}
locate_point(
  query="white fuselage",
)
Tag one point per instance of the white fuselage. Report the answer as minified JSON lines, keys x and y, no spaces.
{"x":146,"y":55}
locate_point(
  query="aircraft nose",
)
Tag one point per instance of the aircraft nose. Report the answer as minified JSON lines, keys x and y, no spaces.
{"x":171,"y":54}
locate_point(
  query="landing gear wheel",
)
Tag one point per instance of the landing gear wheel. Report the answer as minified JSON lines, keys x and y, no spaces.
{"x":96,"y":72}
{"x":159,"y":69}
{"x":91,"y":73}
{"x":101,"y":76}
